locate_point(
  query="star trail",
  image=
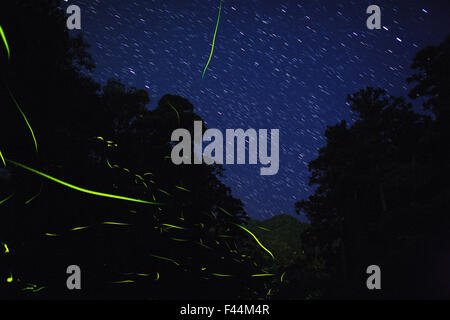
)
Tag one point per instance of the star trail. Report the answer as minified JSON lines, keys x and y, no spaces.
{"x":285,"y":65}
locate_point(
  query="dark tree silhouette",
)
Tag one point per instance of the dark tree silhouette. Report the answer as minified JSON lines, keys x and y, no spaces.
{"x":382,"y":196}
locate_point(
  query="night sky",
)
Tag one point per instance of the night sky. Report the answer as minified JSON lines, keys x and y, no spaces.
{"x":284,"y":65}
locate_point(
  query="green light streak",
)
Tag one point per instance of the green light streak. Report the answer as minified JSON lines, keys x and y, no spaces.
{"x":124,"y":281}
{"x":32,"y":287}
{"x":165,"y":192}
{"x":172,"y":226}
{"x":282,"y":276}
{"x":10,"y":278}
{"x":27,"y":288}
{"x":260,"y":244}
{"x":176,"y":111}
{"x":204,"y":245}
{"x":116,"y":223}
{"x":7,"y":198}
{"x":221,"y":275}
{"x":181,"y":188}
{"x":35,"y":196}
{"x":6,"y":248}
{"x":51,"y":235}
{"x":263,"y":275}
{"x":71,"y":186}
{"x":214,"y":40}
{"x":167,"y":259}
{"x":143,"y":274}
{"x":5,"y":42}
{"x":25,"y":118}
{"x":179,"y":240}
{"x":79,"y":228}
{"x":3,"y":159}
{"x":225,"y":211}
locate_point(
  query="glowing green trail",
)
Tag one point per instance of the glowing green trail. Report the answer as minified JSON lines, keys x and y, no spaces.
{"x":260,"y":244}
{"x":171,"y":226}
{"x":164,"y":258}
{"x":176,"y":111}
{"x":124,"y":281}
{"x":25,"y":118}
{"x":143,"y":274}
{"x":28,"y":288}
{"x":71,"y":186}
{"x":165,"y":192}
{"x":5,"y":42}
{"x":116,"y":223}
{"x":79,"y":228}
{"x":3,"y":159}
{"x":7,"y":198}
{"x":214,"y":40}
{"x":221,"y":275}
{"x":181,"y":188}
{"x":225,"y":211}
{"x":33,"y":288}
{"x":35,"y":196}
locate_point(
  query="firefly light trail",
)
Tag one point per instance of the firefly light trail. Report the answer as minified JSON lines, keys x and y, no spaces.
{"x":181,"y":188}
{"x":164,"y":258}
{"x":176,"y":111}
{"x":3,"y":159}
{"x":214,"y":40}
{"x":5,"y":42}
{"x":116,"y":223}
{"x":79,"y":228}
{"x":26,"y":120}
{"x":35,"y":196}
{"x":171,"y":226}
{"x":66,"y":184}
{"x":7,"y":198}
{"x":256,"y":240}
